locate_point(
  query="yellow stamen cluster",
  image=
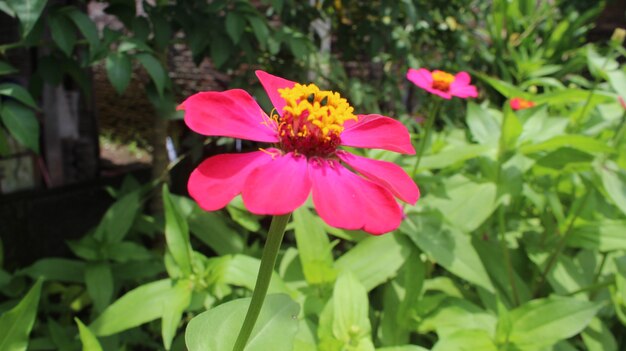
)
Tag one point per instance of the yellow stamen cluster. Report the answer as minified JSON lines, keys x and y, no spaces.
{"x":312,"y":119}
{"x":442,"y":80}
{"x":326,"y":109}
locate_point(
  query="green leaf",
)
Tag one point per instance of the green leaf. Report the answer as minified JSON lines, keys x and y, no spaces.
{"x":87,"y":28}
{"x":242,"y":271}
{"x":314,"y":248}
{"x":447,"y":246}
{"x":217,"y":328}
{"x":350,"y":310}
{"x":57,"y":269}
{"x":543,"y":322}
{"x":235,"y":25}
{"x":63,"y":33}
{"x":16,"y":324}
{"x":454,"y":315}
{"x":99,"y":281}
{"x":508,"y":90}
{"x":221,"y":48}
{"x":403,"y":348}
{"x":460,"y":191}
{"x":28,"y":11}
{"x":469,"y":339}
{"x":18,"y":93}
{"x":598,"y":337}
{"x":21,"y":123}
{"x":211,"y":229}
{"x":136,"y":307}
{"x":606,"y":235}
{"x":455,"y":154}
{"x":87,"y":338}
{"x":125,"y":251}
{"x":155,"y":70}
{"x":575,"y":141}
{"x":173,"y":309}
{"x":119,"y":218}
{"x":391,"y":248}
{"x":614,"y":181}
{"x":119,"y":70}
{"x":177,"y":234}
{"x":6,"y":68}
{"x":485,"y":128}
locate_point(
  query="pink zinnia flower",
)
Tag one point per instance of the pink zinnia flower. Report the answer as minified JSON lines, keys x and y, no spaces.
{"x":305,"y":131}
{"x":442,"y":83}
{"x":520,"y":104}
{"x":621,"y":101}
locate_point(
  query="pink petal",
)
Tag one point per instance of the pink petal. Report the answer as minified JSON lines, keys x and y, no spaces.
{"x":443,"y":94}
{"x":232,"y":113}
{"x":463,"y":90}
{"x":378,"y":132}
{"x":420,"y":77}
{"x":344,"y":200}
{"x":271,"y":84}
{"x":387,"y":174}
{"x":218,"y":179}
{"x":278,"y":187}
{"x":463,"y":78}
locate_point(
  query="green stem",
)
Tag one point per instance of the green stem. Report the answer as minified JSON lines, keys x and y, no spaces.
{"x":429,"y":126}
{"x":596,"y":81}
{"x":555,"y":254}
{"x":617,"y":138}
{"x":507,"y":255}
{"x":268,"y":259}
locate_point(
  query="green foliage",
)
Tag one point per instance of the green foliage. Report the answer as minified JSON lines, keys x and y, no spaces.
{"x":16,"y":324}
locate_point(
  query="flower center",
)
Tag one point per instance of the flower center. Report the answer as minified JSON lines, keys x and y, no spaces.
{"x":442,"y":80}
{"x":312,"y":120}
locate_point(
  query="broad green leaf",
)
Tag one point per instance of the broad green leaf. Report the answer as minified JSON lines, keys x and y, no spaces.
{"x":614,"y":181}
{"x":543,"y":322}
{"x":485,"y":128}
{"x":217,"y":328}
{"x":21,"y":123}
{"x":173,"y":309}
{"x":221,"y":49}
{"x":16,"y":324}
{"x":86,"y":27}
{"x":314,"y":248}
{"x":235,"y":25}
{"x":6,"y":68}
{"x":260,"y":30}
{"x":617,"y":79}
{"x":119,"y":70}
{"x":580,"y":142}
{"x":57,"y":269}
{"x":155,"y":70}
{"x":448,"y":247}
{"x":455,"y":154}
{"x":391,"y":248}
{"x":212,"y":229}
{"x":606,"y":235}
{"x":28,"y":11}
{"x":403,"y":348}
{"x":511,"y":131}
{"x":350,"y":310}
{"x":177,"y":234}
{"x":507,"y":89}
{"x":119,"y":218}
{"x":59,"y":336}
{"x":138,"y":306}
{"x":598,"y":337}
{"x":599,"y":65}
{"x":466,"y":340}
{"x":454,"y":315}
{"x":460,"y":191}
{"x":569,"y":96}
{"x":87,"y":338}
{"x":18,"y":93}
{"x":242,"y":271}
{"x":125,"y":251}
{"x":99,"y":281}
{"x":63,"y":33}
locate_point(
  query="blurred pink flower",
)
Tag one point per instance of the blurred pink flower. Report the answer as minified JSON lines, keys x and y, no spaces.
{"x":520,"y":104}
{"x":442,"y":83}
{"x":622,"y":102}
{"x":305,"y":131}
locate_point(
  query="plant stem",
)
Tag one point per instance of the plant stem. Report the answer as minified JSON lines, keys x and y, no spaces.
{"x":555,"y":254}
{"x":268,"y":259}
{"x":507,"y":255}
{"x":429,"y":126}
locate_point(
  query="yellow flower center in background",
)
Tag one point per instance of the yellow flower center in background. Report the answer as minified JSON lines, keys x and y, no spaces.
{"x":442,"y":80}
{"x":312,"y":120}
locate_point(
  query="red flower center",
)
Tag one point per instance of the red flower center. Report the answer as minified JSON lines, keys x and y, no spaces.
{"x":442,"y":80}
{"x":312,"y":120}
